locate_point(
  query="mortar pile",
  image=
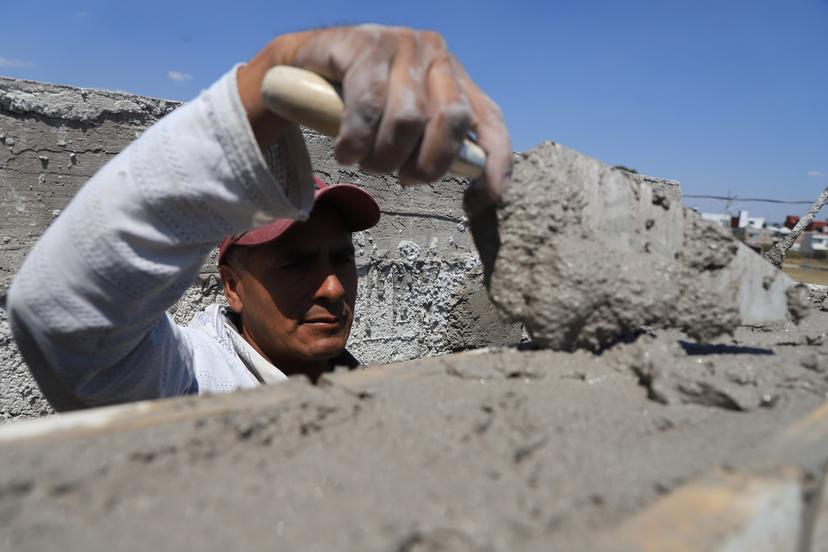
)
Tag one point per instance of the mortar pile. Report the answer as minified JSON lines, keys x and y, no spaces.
{"x":584,"y":254}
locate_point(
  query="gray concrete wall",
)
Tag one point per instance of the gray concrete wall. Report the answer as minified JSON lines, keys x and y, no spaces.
{"x":420,"y":280}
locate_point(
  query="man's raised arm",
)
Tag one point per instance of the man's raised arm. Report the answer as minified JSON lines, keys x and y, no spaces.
{"x":87,"y":306}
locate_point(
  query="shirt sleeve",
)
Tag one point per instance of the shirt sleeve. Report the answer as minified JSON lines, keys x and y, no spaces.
{"x":87,"y":306}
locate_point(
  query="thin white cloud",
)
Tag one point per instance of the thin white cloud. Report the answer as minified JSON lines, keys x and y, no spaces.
{"x":82,"y":14}
{"x":817,"y":173}
{"x":14,"y":63}
{"x":178,"y":76}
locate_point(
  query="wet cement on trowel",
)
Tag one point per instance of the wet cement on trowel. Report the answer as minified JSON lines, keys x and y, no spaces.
{"x":493,"y":450}
{"x":584,"y":254}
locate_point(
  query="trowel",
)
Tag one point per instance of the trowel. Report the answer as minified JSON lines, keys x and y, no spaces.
{"x":640,"y":259}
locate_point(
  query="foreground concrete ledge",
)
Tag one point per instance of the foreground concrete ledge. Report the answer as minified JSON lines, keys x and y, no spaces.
{"x":726,"y":511}
{"x":819,"y":522}
{"x":142,"y":414}
{"x":756,"y":507}
{"x":775,"y":502}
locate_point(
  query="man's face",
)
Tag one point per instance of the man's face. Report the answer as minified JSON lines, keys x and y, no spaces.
{"x":296,"y":295}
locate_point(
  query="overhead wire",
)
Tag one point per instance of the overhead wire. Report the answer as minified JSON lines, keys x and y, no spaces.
{"x":751,"y":199}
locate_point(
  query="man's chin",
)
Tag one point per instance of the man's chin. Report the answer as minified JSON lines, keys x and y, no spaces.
{"x":326,"y":348}
{"x":325,"y":340}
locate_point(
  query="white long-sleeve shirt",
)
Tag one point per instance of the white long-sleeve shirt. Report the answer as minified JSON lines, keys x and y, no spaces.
{"x":87,"y":306}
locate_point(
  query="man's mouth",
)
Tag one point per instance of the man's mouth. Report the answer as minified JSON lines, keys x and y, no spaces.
{"x":324,"y":320}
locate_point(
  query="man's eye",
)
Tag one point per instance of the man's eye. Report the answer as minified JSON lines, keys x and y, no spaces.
{"x":343,"y":257}
{"x":296,"y":264}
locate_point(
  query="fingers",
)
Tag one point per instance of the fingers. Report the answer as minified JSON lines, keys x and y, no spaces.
{"x":449,"y":120}
{"x":360,"y":59}
{"x":493,"y":137}
{"x":365,"y":88}
{"x":408,"y":102}
{"x":491,"y":133}
{"x":405,"y":114}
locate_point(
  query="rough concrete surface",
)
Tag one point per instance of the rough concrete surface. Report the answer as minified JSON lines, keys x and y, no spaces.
{"x":819,"y":538}
{"x":420,"y":280}
{"x":52,"y":139}
{"x":20,"y":396}
{"x":492,"y":450}
{"x":724,"y":511}
{"x":584,"y":254}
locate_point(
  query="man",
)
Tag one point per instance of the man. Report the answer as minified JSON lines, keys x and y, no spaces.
{"x":291,"y":287}
{"x":88,"y":305}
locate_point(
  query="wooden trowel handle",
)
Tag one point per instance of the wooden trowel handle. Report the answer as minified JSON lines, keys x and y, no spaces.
{"x":305,"y":98}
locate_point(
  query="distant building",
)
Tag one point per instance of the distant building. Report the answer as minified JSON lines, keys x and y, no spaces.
{"x":778,"y":229}
{"x":721,"y":218}
{"x":815,"y":226}
{"x":757,"y":234}
{"x":815,"y":243}
{"x":752,"y":222}
{"x":742,"y":220}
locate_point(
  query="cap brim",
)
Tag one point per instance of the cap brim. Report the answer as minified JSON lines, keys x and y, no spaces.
{"x":357,"y":208}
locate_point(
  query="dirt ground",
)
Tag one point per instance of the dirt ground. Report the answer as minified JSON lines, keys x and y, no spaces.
{"x":493,"y":450}
{"x":807,"y":271}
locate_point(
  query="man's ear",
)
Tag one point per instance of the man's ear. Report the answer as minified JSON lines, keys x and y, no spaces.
{"x":230,"y":281}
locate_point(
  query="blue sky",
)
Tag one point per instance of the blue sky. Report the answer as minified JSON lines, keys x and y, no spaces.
{"x":726,"y":96}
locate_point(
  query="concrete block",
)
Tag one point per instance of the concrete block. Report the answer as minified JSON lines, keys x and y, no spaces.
{"x":584,"y":254}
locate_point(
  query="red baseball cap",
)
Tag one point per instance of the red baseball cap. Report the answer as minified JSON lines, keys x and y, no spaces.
{"x":356,"y":206}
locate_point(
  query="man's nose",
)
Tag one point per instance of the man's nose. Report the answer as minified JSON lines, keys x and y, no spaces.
{"x":331,"y":289}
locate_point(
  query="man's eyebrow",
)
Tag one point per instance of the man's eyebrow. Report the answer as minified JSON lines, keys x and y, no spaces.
{"x":298,"y":253}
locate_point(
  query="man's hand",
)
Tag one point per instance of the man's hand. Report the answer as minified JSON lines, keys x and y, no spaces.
{"x":408,"y":102}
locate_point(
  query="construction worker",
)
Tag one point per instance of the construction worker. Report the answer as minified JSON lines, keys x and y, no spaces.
{"x":88,"y":305}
